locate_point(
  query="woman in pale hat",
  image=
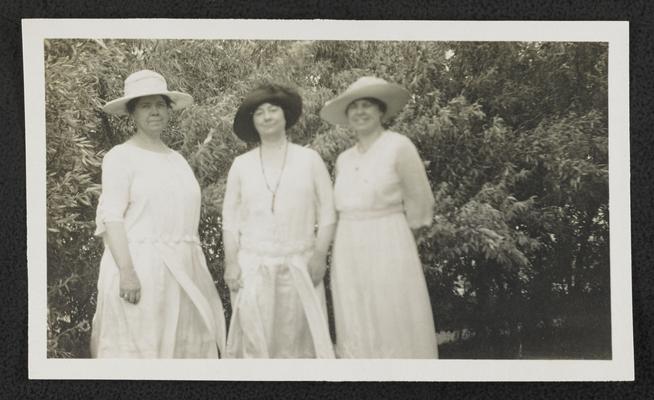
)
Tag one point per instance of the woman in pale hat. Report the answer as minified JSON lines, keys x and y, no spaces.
{"x":278,"y":223}
{"x":156,"y":297}
{"x":381,"y":304}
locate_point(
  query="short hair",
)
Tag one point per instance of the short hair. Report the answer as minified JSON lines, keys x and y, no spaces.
{"x":287,"y":98}
{"x":131,"y":105}
{"x":277,"y":99}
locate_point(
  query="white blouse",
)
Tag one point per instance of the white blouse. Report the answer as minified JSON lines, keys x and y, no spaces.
{"x":389,"y":174}
{"x":155,"y":194}
{"x":303,"y":201}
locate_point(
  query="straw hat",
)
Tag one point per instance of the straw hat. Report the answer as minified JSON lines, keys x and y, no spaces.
{"x":146,"y":83}
{"x":288,"y":99}
{"x":394,"y":96}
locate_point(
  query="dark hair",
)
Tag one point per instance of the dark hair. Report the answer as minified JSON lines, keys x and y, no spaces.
{"x":275,"y":99}
{"x":274,"y":102}
{"x":282,"y":96}
{"x":131,"y":105}
{"x":380,"y":104}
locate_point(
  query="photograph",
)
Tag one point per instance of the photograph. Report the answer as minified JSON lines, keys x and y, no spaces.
{"x":427,"y":205}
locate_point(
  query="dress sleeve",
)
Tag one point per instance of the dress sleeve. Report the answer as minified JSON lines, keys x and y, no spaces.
{"x":324,"y":192}
{"x":416,"y":193}
{"x":232,"y":200}
{"x":115,"y":191}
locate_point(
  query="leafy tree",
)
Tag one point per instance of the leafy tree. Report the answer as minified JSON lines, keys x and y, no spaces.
{"x":514,"y":137}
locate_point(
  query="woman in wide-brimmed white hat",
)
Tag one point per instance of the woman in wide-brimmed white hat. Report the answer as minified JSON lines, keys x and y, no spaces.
{"x":278,"y":223}
{"x":156,"y":297}
{"x":381,"y":305}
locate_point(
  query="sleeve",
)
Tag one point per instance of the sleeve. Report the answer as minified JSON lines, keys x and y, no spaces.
{"x":337,"y":164}
{"x":115,"y":191}
{"x":417,"y":195}
{"x":324,"y":192}
{"x":232,"y":200}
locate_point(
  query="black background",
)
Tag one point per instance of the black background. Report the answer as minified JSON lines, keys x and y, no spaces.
{"x":13,"y":270}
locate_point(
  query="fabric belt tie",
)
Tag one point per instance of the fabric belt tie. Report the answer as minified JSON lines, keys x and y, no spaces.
{"x":246,"y":317}
{"x":370,"y":214}
{"x":272,"y":249}
{"x":165,"y":239}
{"x":193,"y":292}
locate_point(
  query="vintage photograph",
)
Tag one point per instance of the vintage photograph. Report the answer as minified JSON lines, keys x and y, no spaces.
{"x":327,"y":199}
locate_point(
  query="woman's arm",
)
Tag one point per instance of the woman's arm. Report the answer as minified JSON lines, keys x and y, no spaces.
{"x":111,"y":210}
{"x":324,"y":238}
{"x":417,"y":195}
{"x":116,"y":240}
{"x":232,"y":274}
{"x":230,"y":225}
{"x":326,"y":218}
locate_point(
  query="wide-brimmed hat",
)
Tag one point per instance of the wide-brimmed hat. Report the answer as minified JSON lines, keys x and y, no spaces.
{"x":288,"y":99}
{"x":146,"y":83}
{"x":394,"y":96}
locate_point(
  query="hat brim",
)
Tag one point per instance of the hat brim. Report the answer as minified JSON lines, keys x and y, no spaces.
{"x":290,"y":101}
{"x":119,"y":106}
{"x":394,"y":96}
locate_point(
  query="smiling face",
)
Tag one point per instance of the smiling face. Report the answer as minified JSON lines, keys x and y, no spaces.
{"x":151,"y":114}
{"x":364,"y":115}
{"x":269,"y":120}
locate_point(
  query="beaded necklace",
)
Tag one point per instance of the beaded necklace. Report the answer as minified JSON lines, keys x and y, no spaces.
{"x":279,"y":179}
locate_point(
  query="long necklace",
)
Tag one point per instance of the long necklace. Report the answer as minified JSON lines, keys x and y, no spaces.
{"x":279,"y":179}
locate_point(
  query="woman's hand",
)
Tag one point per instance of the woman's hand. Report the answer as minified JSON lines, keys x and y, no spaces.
{"x":419,"y":234}
{"x":233,"y":276}
{"x":317,"y":267}
{"x":130,"y":286}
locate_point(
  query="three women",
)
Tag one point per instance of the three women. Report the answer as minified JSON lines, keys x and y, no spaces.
{"x":278,"y":223}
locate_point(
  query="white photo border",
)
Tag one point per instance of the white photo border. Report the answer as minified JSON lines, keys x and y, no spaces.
{"x":615,"y":33}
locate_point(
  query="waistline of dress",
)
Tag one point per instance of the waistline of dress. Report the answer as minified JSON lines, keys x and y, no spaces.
{"x":370,"y":214}
{"x":275,"y":249}
{"x":164,"y":239}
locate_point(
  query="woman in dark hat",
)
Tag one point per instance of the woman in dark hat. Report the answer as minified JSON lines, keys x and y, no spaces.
{"x":275,"y":259}
{"x":381,"y":304}
{"x":156,"y":298}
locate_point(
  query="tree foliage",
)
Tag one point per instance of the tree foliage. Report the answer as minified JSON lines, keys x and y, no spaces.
{"x":514,"y":137}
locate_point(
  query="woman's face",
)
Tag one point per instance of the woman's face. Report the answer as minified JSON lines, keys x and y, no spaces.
{"x":269,"y":120}
{"x":151,"y":114}
{"x":364,"y":115}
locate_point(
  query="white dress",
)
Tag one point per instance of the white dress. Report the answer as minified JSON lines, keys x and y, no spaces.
{"x":381,"y":304}
{"x":180,"y":314}
{"x":278,"y":313}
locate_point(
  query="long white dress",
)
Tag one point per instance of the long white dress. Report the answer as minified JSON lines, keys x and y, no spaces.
{"x":381,"y":304}
{"x":180,"y":314}
{"x":278,"y":313}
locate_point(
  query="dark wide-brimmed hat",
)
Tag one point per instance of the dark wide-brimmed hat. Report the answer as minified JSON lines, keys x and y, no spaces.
{"x":394,"y":96}
{"x":288,"y":99}
{"x":146,"y":83}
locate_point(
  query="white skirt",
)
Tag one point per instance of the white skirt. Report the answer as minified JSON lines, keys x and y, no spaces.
{"x":278,"y":313}
{"x":179,"y":314}
{"x":381,"y":304}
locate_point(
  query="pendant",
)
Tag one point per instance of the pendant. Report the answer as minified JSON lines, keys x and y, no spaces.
{"x":272,"y":203}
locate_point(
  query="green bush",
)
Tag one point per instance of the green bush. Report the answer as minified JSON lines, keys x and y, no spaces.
{"x":514,"y":137}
